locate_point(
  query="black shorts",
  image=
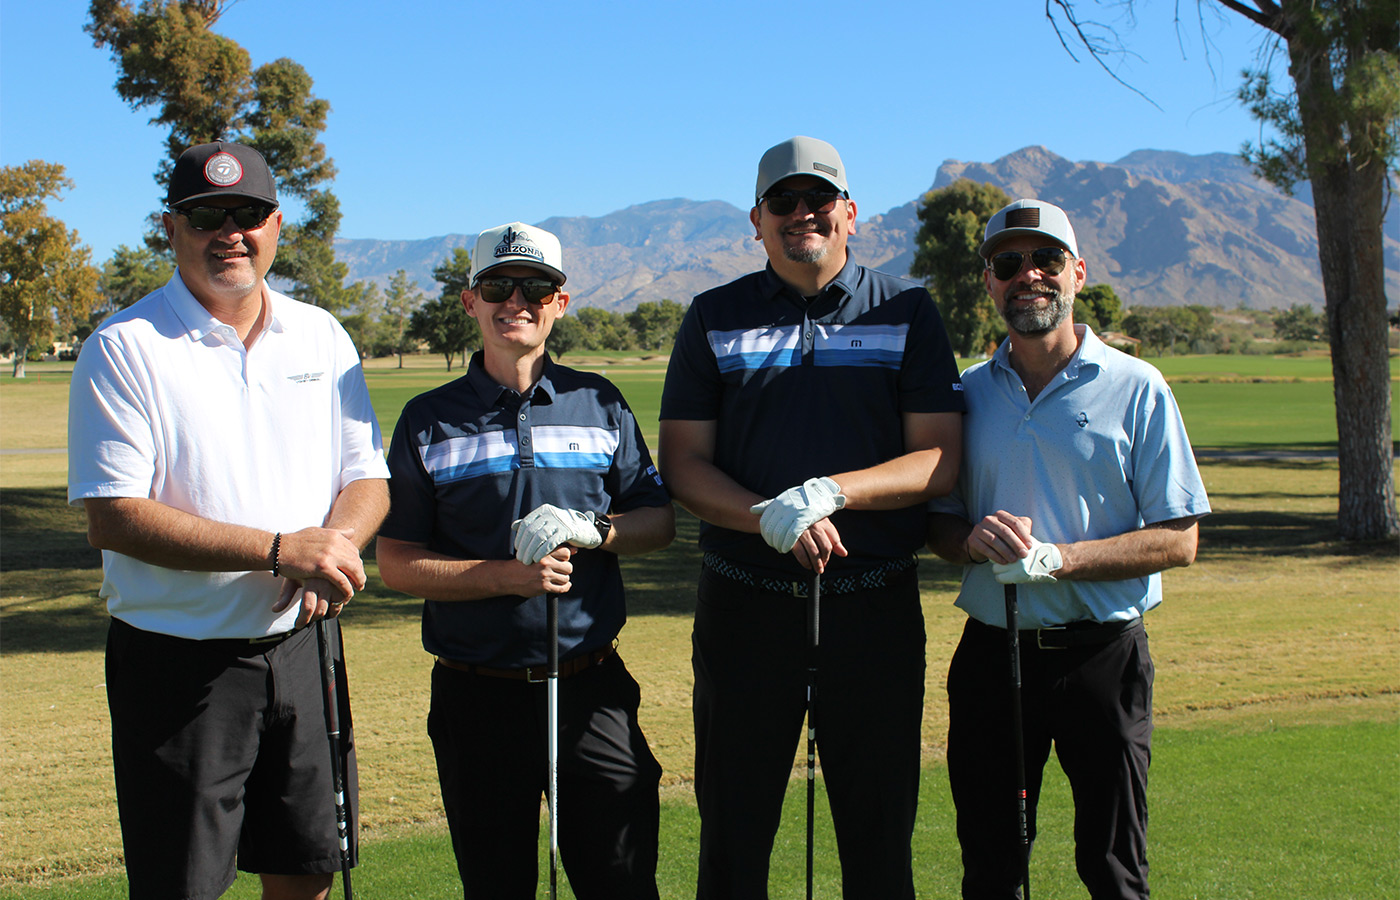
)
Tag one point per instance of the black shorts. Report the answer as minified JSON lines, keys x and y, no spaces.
{"x":222,"y":759}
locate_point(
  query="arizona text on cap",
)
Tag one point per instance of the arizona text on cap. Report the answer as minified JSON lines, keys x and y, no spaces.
{"x":1029,"y":217}
{"x":517,"y":244}
{"x":221,"y":169}
{"x":800,"y":156}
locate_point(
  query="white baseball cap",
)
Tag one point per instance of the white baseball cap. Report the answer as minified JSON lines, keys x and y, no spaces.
{"x":1029,"y":217}
{"x":517,"y":244}
{"x":800,"y":156}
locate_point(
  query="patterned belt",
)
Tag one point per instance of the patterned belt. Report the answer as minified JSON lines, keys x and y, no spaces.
{"x":868,"y":580}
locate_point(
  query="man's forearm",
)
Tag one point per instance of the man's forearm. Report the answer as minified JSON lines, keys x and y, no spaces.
{"x":1153,"y":548}
{"x":641,"y":530}
{"x":361,"y":505}
{"x":161,"y":535}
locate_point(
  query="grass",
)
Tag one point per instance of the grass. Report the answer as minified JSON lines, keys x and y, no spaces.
{"x":1278,"y":691}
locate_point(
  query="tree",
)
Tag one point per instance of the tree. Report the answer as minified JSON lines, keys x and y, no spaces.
{"x":1162,"y":327}
{"x":362,"y":323}
{"x":441,"y":323}
{"x":1300,"y":322}
{"x":1337,"y":126}
{"x":654,"y":325}
{"x":603,"y":329}
{"x":205,"y":89}
{"x":47,"y":281}
{"x":454,"y":274}
{"x":1098,"y":306}
{"x":954,"y":219}
{"x":131,"y":274}
{"x":401,"y":300}
{"x":567,"y":334}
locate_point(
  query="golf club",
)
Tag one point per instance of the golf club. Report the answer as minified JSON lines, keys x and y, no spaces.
{"x":813,"y":642}
{"x":342,"y":825}
{"x":552,"y":604}
{"x":1013,"y":640}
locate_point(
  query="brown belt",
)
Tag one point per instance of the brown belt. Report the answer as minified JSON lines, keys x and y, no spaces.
{"x":533,"y":673}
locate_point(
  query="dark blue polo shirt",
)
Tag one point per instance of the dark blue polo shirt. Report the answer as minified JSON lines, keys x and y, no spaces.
{"x":470,"y":457}
{"x":799,"y":390}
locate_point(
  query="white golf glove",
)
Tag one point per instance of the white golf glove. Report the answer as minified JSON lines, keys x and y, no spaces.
{"x":783,"y":519}
{"x":547,"y":527}
{"x":1044,"y":559}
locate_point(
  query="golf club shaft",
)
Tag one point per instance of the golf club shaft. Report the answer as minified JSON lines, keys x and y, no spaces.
{"x":813,"y":642}
{"x":552,"y":602}
{"x":342,"y":824}
{"x":1013,"y":639}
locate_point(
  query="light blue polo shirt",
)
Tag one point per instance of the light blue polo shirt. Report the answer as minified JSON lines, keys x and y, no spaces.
{"x":1101,"y":451}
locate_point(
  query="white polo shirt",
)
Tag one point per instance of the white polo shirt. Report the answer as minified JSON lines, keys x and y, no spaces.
{"x":166,"y":403}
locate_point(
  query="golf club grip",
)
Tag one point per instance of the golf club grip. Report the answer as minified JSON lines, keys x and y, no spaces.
{"x":1013,"y":641}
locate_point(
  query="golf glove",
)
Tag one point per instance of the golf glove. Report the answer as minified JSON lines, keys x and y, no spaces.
{"x":548,"y":527}
{"x":1044,"y":559}
{"x":783,"y":519}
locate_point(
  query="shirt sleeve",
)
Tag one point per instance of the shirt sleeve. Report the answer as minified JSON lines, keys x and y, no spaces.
{"x":693,"y":388}
{"x":633,"y":480}
{"x":111,"y":435}
{"x":412,"y":495}
{"x":362,"y":444}
{"x":928,"y":378}
{"x":1167,"y":483}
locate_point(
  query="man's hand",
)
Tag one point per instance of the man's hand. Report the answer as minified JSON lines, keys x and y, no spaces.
{"x":548,"y":527}
{"x":318,"y":600}
{"x":326,"y":553}
{"x":783,"y":519}
{"x":1043,"y":560}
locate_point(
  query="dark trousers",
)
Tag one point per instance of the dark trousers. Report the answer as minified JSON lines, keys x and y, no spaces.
{"x":1095,"y":705}
{"x":750,"y":661}
{"x":490,"y":737}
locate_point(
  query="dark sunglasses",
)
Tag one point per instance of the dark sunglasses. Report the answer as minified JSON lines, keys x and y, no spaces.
{"x":784,"y":203}
{"x":499,"y":288}
{"x":212,"y":218}
{"x":1050,"y":260}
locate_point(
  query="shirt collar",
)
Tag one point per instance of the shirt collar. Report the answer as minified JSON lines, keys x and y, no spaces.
{"x":199,"y":322}
{"x":1090,"y":352}
{"x":772,"y":286}
{"x":491,"y":392}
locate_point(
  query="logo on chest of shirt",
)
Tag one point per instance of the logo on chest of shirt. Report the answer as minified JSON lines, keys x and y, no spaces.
{"x":1082,"y":420}
{"x":306,"y":377}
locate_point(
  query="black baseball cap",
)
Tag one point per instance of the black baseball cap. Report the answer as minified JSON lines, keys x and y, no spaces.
{"x":221,"y":169}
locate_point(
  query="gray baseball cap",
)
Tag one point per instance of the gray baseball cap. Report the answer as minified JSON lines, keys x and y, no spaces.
{"x":1029,"y":217}
{"x":517,"y":244}
{"x":800,"y":156}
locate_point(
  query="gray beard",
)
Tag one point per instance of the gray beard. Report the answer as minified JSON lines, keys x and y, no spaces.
{"x":1031,"y":321}
{"x":807,"y":255}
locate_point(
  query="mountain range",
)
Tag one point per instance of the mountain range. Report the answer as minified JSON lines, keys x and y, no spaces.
{"x":1162,"y":228}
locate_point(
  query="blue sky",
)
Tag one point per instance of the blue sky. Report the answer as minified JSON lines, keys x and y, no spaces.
{"x":451,"y":117}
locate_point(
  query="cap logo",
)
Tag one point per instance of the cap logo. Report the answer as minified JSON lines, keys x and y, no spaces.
{"x":518,"y":243}
{"x":223,"y":170}
{"x":1025,"y":217}
{"x":823,"y":167}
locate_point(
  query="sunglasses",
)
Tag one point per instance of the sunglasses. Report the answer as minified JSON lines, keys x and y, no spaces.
{"x":500,"y":288}
{"x":1008,"y":263}
{"x":212,"y":218}
{"x":784,"y":203}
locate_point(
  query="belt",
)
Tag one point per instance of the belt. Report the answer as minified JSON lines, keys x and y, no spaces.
{"x":868,"y":580}
{"x":1067,"y":637}
{"x":533,"y":673}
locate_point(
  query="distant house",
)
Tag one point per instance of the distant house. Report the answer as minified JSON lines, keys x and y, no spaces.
{"x":1120,"y":341}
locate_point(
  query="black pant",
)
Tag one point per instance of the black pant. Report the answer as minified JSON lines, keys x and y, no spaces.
{"x":490,"y":737}
{"x":1095,"y":705}
{"x":750,"y":660}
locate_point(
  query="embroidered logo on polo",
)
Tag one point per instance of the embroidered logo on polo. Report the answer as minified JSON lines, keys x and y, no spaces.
{"x":1082,"y":420}
{"x":879,"y":346}
{"x":305,"y":377}
{"x":518,"y":243}
{"x":223,"y":169}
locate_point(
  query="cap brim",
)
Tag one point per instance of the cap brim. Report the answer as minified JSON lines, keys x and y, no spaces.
{"x":985,"y":251}
{"x":529,"y":264}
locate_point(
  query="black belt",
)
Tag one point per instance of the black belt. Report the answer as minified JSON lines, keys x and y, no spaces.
{"x":868,"y":580}
{"x":1066,"y":637}
{"x":533,"y":673}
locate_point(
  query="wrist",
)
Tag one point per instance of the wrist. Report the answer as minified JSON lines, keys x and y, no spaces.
{"x":276,"y":555}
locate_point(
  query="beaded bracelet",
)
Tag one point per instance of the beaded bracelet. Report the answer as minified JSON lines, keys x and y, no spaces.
{"x":277,"y":554}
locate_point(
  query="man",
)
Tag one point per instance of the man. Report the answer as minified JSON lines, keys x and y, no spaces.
{"x":1079,"y":485}
{"x":222,"y":443}
{"x":813,"y":386}
{"x":524,"y":478}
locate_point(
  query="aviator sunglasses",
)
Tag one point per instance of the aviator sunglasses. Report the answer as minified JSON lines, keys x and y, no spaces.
{"x":211,"y":218}
{"x":1050,"y":260}
{"x":499,"y":288}
{"x":784,"y":203}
